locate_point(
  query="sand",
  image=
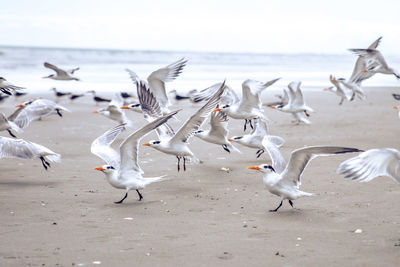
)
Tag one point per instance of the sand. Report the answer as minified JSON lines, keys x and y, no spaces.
{"x":204,"y":216}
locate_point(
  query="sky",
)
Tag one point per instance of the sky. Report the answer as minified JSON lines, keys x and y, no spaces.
{"x":286,"y":26}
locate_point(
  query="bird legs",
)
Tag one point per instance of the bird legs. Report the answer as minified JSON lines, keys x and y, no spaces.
{"x":140,"y":195}
{"x":126,"y":195}
{"x":58,"y":112}
{"x":184,"y":163}
{"x":226,"y":148}
{"x":247,"y":121}
{"x":275,"y":210}
{"x":307,"y":114}
{"x":260,"y":152}
{"x":45,"y":163}
{"x":11,"y":133}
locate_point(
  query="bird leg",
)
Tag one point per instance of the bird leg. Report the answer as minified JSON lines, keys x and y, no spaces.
{"x":140,"y":195}
{"x":44,"y":163}
{"x":184,"y":163}
{"x":245,"y":124}
{"x":305,"y":112}
{"x":277,"y":207}
{"x":260,"y":152}
{"x":11,"y":133}
{"x":291,"y":203}
{"x":58,"y":112}
{"x":226,"y":148}
{"x":341,"y":101}
{"x":179,"y":159}
{"x":251,"y":125}
{"x":119,"y":202}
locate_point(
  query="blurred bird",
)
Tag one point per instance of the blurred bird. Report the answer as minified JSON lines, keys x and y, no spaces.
{"x":114,"y":112}
{"x":62,"y":75}
{"x":7,"y":87}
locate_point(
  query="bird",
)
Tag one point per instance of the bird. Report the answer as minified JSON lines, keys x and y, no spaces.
{"x":61,"y":75}
{"x":250,"y":105}
{"x":59,"y":94}
{"x":3,"y":97}
{"x":284,"y":180}
{"x":6,"y":125}
{"x":133,"y":106}
{"x":228,"y":97}
{"x":22,"y":149}
{"x":122,"y":169}
{"x":256,"y":137}
{"x":175,"y":143}
{"x":158,"y":78}
{"x":218,"y":132}
{"x":8,"y":88}
{"x":35,"y":110}
{"x":98,"y":99}
{"x":114,"y":112}
{"x":396,"y":96}
{"x":340,"y":90}
{"x":295,"y":104}
{"x":73,"y":97}
{"x":371,"y":164}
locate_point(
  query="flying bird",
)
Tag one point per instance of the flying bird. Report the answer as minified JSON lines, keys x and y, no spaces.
{"x":61,"y":75}
{"x":7,"y":87}
{"x":122,"y":169}
{"x":114,"y":112}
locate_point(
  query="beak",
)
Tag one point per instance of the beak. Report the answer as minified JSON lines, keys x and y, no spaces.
{"x":325,"y":89}
{"x":95,"y":111}
{"x":146,"y":144}
{"x":99,"y":169}
{"x":254,"y":168}
{"x":364,"y":70}
{"x":273,"y":107}
{"x":19,"y":106}
{"x":125,"y":107}
{"x":230,"y":139}
{"x":395,"y":107}
{"x":217,"y":109}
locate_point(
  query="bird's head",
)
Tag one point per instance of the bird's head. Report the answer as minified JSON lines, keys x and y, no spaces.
{"x":154,"y":143}
{"x":105,"y":169}
{"x":221,"y":108}
{"x":51,"y":75}
{"x":264,"y":168}
{"x":131,"y":106}
{"x":395,"y":107}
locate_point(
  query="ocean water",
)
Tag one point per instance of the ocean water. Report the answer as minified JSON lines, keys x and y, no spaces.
{"x":103,"y":70}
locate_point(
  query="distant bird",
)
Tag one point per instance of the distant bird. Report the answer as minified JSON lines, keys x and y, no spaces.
{"x":158,"y":78}
{"x":284,"y":180}
{"x":59,"y":94}
{"x":114,"y":112}
{"x":62,"y":75}
{"x":7,"y":87}
{"x":22,"y":149}
{"x":98,"y":99}
{"x":371,"y":164}
{"x":250,"y":106}
{"x":345,"y":90}
{"x":229,"y":96}
{"x":256,"y":137}
{"x":3,"y":97}
{"x":122,"y":169}
{"x":6,"y":125}
{"x":170,"y":143}
{"x":35,"y":110}
{"x":218,"y":133}
{"x":19,"y":94}
{"x":73,"y":97}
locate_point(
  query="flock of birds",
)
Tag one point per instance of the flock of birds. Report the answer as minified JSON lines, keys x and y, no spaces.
{"x":122,"y":168}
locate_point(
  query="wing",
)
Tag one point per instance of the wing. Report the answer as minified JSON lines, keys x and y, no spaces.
{"x":134,"y":77}
{"x":117,"y":100}
{"x":151,"y":109}
{"x":56,"y":69}
{"x":101,"y":146}
{"x":129,"y":148}
{"x":301,"y":157}
{"x":278,"y":162}
{"x":372,"y":163}
{"x":260,"y":128}
{"x":375,"y":44}
{"x":16,"y":148}
{"x":195,"y":121}
{"x":218,"y":123}
{"x":158,"y":78}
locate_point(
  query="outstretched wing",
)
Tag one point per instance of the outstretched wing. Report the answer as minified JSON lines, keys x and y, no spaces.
{"x":59,"y":71}
{"x":371,"y":164}
{"x":278,"y":162}
{"x":218,"y":124}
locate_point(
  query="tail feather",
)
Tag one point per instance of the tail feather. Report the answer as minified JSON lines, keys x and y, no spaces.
{"x":150,"y":180}
{"x":54,"y":157}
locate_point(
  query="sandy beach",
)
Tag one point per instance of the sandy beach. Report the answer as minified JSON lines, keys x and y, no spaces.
{"x":204,"y":216}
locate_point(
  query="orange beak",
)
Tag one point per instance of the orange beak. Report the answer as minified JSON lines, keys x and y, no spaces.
{"x":395,"y":107}
{"x":146,"y":144}
{"x":325,"y":89}
{"x":273,"y":107}
{"x":99,"y":169}
{"x":364,"y":70}
{"x":125,"y":107}
{"x":230,"y":139}
{"x":19,"y":106}
{"x":254,"y":168}
{"x":95,"y":111}
{"x":217,"y":109}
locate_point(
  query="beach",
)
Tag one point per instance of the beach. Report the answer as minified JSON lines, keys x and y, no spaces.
{"x":205,"y":216}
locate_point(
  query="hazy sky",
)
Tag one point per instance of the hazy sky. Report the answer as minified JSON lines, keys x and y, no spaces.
{"x":227,"y":26}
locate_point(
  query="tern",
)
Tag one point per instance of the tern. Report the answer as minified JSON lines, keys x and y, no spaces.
{"x":7,"y":87}
{"x":158,"y":78}
{"x":98,"y":99}
{"x":59,"y":94}
{"x":371,"y":164}
{"x":6,"y":125}
{"x":284,"y":180}
{"x":114,"y":112}
{"x":256,"y":137}
{"x":250,"y":105}
{"x":175,"y":143}
{"x":122,"y":169}
{"x":218,"y":132}
{"x":344,"y":92}
{"x":22,"y":149}
{"x":61,"y":75}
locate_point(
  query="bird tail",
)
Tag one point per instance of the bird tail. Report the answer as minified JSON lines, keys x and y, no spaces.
{"x":234,"y":148}
{"x":150,"y":180}
{"x":54,"y":157}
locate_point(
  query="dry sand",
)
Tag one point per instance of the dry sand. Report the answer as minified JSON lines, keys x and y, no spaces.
{"x":204,"y":216}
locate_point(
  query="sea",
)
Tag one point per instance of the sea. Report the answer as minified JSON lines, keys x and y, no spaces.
{"x":104,"y":69}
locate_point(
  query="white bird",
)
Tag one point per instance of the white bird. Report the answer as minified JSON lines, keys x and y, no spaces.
{"x":284,"y":180}
{"x":228,"y":97}
{"x":34,"y":110}
{"x":295,"y":104}
{"x":62,"y":75}
{"x":7,"y":87}
{"x":114,"y":112}
{"x":22,"y":149}
{"x":250,"y":106}
{"x":122,"y":169}
{"x":218,"y":132}
{"x":59,"y":94}
{"x":371,"y":164}
{"x":6,"y":125}
{"x":256,"y":137}
{"x":98,"y":99}
{"x":339,"y":89}
{"x":158,"y":78}
{"x":170,"y":143}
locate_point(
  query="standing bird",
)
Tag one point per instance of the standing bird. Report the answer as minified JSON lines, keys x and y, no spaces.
{"x":371,"y":164}
{"x":122,"y":169}
{"x":61,"y":75}
{"x":22,"y":149}
{"x":284,"y":181}
{"x":7,"y":87}
{"x":59,"y":94}
{"x":98,"y":99}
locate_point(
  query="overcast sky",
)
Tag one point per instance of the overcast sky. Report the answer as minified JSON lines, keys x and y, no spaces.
{"x":311,"y":26}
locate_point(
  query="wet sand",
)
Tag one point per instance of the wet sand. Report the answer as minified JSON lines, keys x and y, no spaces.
{"x":204,"y":216}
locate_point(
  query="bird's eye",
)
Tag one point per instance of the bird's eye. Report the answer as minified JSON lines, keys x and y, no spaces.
{"x":156,"y":142}
{"x":110,"y":167}
{"x":226,"y":106}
